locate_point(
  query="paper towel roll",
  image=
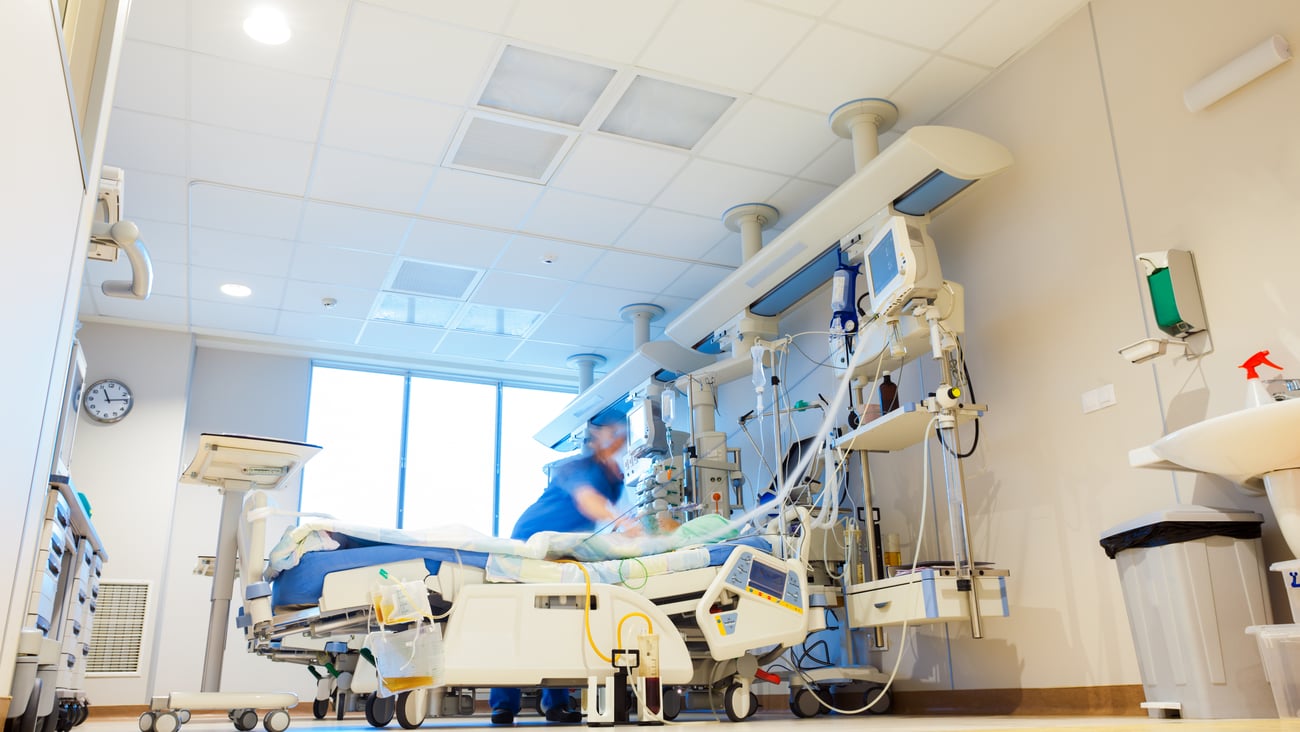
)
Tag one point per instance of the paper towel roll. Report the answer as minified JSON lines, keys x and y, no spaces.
{"x":1237,"y":73}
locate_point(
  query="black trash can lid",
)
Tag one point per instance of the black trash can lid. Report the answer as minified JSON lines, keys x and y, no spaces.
{"x":1178,"y":524}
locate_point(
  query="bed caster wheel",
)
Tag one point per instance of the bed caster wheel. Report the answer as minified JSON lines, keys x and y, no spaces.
{"x":276,"y":720}
{"x":879,"y":707}
{"x":243,"y":719}
{"x":804,"y":704}
{"x":379,"y":712}
{"x":736,"y":702}
{"x":412,"y":708}
{"x":320,"y":708}
{"x":671,"y":704}
{"x":166,"y":722}
{"x":146,"y":721}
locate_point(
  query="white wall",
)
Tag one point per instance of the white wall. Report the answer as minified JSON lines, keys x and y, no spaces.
{"x":44,"y":200}
{"x":237,"y":393}
{"x":128,"y":471}
{"x":1046,"y":253}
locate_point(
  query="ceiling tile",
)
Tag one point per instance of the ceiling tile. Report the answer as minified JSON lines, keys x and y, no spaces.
{"x":232,"y":318}
{"x":465,"y":246}
{"x":835,"y":65}
{"x":707,"y":188}
{"x":1005,"y":28}
{"x":385,"y":124}
{"x":319,"y":328}
{"x":833,"y":166}
{"x":151,"y":78}
{"x":625,"y":26}
{"x":477,"y":345}
{"x":349,"y":177}
{"x":487,"y":15}
{"x":578,"y":331}
{"x":546,"y":258}
{"x":243,"y":97}
{"x":353,"y":228}
{"x":771,"y":136}
{"x":934,"y":88}
{"x":159,"y":21}
{"x":306,"y":297}
{"x":245,"y":159}
{"x":146,"y":142}
{"x":458,"y":195}
{"x":696,"y":281}
{"x":519,"y":291}
{"x":541,"y":353}
{"x":599,"y":164}
{"x":159,"y":309}
{"x":205,"y":284}
{"x":152,"y":196}
{"x":247,"y":212}
{"x":925,"y":23}
{"x":401,"y":337}
{"x":815,"y":8}
{"x":216,"y":28}
{"x":407,"y":54}
{"x":365,"y":270}
{"x":230,"y":250}
{"x":615,"y":269}
{"x":596,"y":301}
{"x":797,"y":197}
{"x":166,"y":241}
{"x":580,"y":217}
{"x":672,"y":233}
{"x":730,"y":43}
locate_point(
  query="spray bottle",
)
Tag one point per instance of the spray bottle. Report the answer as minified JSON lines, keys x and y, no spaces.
{"x":1256,"y":391}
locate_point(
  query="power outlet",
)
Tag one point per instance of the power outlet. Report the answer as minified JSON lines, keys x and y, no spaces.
{"x":1099,"y":398}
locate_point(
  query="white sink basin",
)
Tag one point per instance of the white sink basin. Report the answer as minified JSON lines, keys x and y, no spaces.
{"x":1240,"y":446}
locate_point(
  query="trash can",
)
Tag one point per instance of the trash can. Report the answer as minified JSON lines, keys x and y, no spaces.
{"x":1193,"y":579}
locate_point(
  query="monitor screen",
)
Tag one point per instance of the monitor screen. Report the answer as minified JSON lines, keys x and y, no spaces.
{"x":767,"y":579}
{"x":638,"y":429}
{"x":882,"y":262}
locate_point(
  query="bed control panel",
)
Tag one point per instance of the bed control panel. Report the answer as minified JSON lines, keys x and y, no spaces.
{"x":755,"y":600}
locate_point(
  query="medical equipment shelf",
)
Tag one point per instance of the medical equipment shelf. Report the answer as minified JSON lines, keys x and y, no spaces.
{"x":930,"y":595}
{"x":899,"y":429}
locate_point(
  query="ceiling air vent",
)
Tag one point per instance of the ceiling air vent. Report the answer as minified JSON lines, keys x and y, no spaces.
{"x":508,"y":147}
{"x":438,"y":280}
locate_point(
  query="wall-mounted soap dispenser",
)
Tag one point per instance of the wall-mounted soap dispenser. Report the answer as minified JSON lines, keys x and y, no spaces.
{"x":1175,"y":297}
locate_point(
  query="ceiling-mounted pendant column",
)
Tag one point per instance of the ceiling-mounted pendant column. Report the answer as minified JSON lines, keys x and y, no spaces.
{"x":750,"y":219}
{"x":640,"y":315}
{"x":586,"y":364}
{"x":862,"y":121}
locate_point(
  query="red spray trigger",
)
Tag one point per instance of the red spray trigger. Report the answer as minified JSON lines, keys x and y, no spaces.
{"x":1254,"y":362}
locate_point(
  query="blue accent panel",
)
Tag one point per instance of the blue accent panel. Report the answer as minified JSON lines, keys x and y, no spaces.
{"x":1002,"y":586}
{"x":798,"y":285}
{"x":710,"y":345}
{"x":336,"y":647}
{"x":243,"y":621}
{"x":257,"y":590}
{"x":930,"y":194}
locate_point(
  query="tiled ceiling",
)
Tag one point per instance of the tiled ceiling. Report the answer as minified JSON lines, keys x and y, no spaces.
{"x":313,"y":170}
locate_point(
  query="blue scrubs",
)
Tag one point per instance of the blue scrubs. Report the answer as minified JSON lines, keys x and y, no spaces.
{"x":556,"y":510}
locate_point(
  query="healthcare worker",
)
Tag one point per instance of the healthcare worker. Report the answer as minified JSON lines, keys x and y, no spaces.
{"x":579,"y":497}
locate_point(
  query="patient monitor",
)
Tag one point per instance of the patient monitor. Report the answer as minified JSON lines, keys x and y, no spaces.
{"x":901,"y":266}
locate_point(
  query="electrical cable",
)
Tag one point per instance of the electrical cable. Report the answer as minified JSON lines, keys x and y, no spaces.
{"x":916,"y":557}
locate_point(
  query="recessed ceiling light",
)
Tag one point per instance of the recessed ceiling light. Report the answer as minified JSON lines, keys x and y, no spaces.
{"x":541,"y":85}
{"x":267,"y":25}
{"x":235,"y":290}
{"x":661,"y":111}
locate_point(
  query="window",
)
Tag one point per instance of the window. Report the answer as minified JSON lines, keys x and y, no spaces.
{"x":406,"y":450}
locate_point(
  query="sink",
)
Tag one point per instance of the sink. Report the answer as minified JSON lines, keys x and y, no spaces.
{"x":1240,"y":446}
{"x":1245,"y":446}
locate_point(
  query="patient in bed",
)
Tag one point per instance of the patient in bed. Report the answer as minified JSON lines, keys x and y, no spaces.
{"x":579,"y":497}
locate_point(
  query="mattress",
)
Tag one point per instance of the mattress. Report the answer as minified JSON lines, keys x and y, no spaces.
{"x":303,"y":584}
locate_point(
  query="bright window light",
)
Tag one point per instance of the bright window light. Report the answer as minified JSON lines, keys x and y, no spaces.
{"x":267,"y":25}
{"x":235,"y":290}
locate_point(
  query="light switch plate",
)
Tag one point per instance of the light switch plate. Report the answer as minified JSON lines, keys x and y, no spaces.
{"x":1099,"y":398}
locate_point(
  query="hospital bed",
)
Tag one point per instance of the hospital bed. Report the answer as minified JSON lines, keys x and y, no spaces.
{"x":732,"y":608}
